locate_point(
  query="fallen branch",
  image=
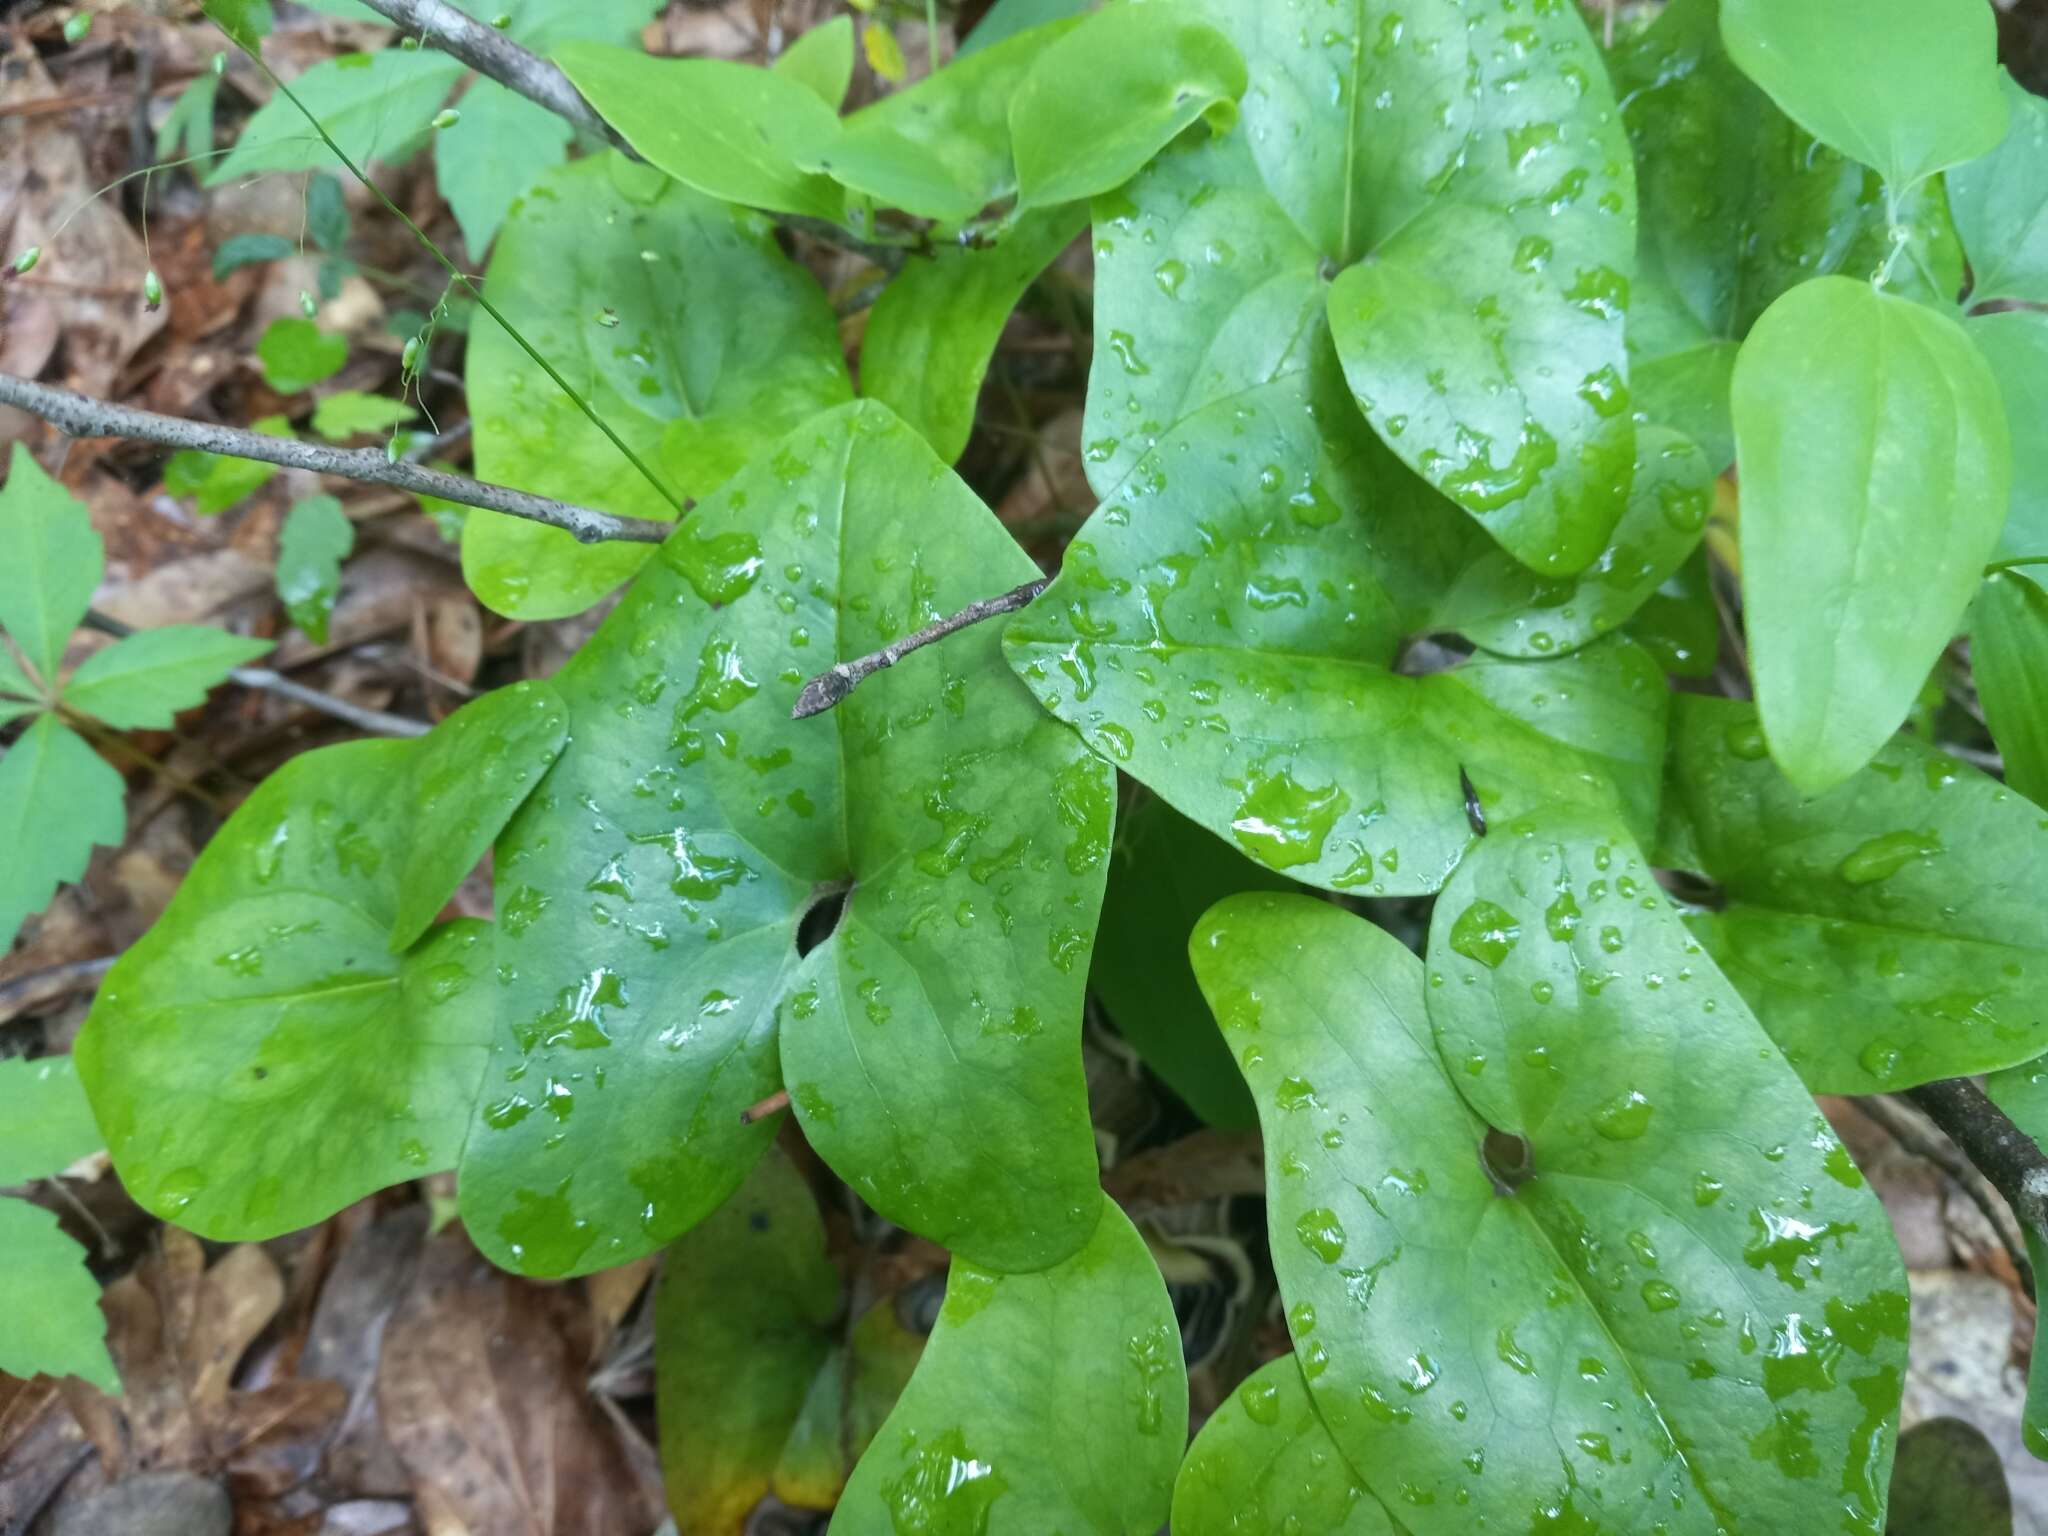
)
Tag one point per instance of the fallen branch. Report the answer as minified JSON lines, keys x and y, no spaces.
{"x":83,"y":416}
{"x":2000,"y":1150}
{"x":833,"y":685}
{"x":1907,"y":1125}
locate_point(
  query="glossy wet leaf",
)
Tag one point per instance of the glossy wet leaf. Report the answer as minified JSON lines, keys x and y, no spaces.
{"x":650,"y":895}
{"x":143,"y":680}
{"x":1499,"y":603}
{"x":290,"y":1036}
{"x":50,"y":1318}
{"x":54,"y":562}
{"x":2009,"y":661}
{"x":741,"y":1327}
{"x":2015,"y":344}
{"x":681,"y":323}
{"x":2000,"y":202}
{"x":296,"y":354}
{"x":45,"y":1123}
{"x":1136,"y":75}
{"x":731,"y":131}
{"x":497,"y":152}
{"x":1887,"y":932}
{"x":1679,"y":623}
{"x":58,"y":798}
{"x":317,"y":537}
{"x":935,"y":327}
{"x":1876,"y":471}
{"x":1164,"y":873}
{"x":1948,"y":1479}
{"x":1264,"y":1465}
{"x":1054,"y":1401}
{"x":1908,"y":87}
{"x":376,"y":106}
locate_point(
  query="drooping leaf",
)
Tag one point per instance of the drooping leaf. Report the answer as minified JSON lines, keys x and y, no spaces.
{"x":58,"y":798}
{"x":1883,"y":930}
{"x":350,"y":412}
{"x":936,"y":325}
{"x":54,"y":560}
{"x":496,"y":152}
{"x":849,"y":1399}
{"x":741,"y":1327}
{"x":1650,"y":1331}
{"x":822,"y":58}
{"x":374,"y":105}
{"x":2015,"y":344}
{"x":1948,"y":1479}
{"x":1264,"y":1465}
{"x":1054,"y":1401}
{"x":217,"y":481}
{"x":143,"y":680}
{"x":2000,"y":201}
{"x":45,"y":1123}
{"x":2009,"y":659}
{"x":1908,"y":87}
{"x":317,"y":537}
{"x":650,"y":895}
{"x":289,"y":1036}
{"x":1137,"y":75}
{"x":1876,"y":473}
{"x":50,"y":1320}
{"x":731,"y":131}
{"x":718,"y":343}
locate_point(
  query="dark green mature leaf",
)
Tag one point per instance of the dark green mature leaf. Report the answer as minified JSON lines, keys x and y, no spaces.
{"x":1885,"y":931}
{"x":681,"y":323}
{"x":45,"y":1123}
{"x":1876,"y":472}
{"x":245,"y":249}
{"x":497,"y":151}
{"x":650,"y":895}
{"x":376,"y":106}
{"x":1045,"y":1402}
{"x":2015,"y":344}
{"x":317,"y":537}
{"x":143,"y":680}
{"x":1576,"y":1350}
{"x":54,"y":560}
{"x":2000,"y":201}
{"x":1499,"y":603}
{"x":1136,"y":75}
{"x":935,"y":327}
{"x":296,"y":354}
{"x":1948,"y":1480}
{"x":50,"y":1319}
{"x":1679,"y":623}
{"x":822,"y":58}
{"x":2009,"y":659}
{"x":1164,"y":874}
{"x":284,"y":1040}
{"x":741,"y":1327}
{"x":733,"y":132}
{"x":246,"y":22}
{"x":1264,"y":1465}
{"x":1908,"y":87}
{"x":58,"y":798}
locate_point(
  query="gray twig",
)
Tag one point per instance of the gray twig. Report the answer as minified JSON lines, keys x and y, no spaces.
{"x":829,"y":687}
{"x":1909,"y":1129}
{"x":83,"y":416}
{"x":2000,"y":1150}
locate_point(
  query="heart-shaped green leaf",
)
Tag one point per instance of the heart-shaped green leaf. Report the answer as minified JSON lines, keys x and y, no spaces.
{"x":284,"y":1041}
{"x":675,"y":318}
{"x":1045,"y":1402}
{"x":1884,"y":931}
{"x":2000,"y":201}
{"x":651,"y":893}
{"x":1876,"y":472}
{"x":50,"y":1317}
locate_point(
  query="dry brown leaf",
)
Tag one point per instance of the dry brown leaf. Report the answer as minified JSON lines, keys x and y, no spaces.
{"x":370,"y":1275}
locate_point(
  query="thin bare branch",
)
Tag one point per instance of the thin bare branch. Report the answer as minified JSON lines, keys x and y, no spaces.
{"x":1907,"y":1124}
{"x":83,"y":416}
{"x":829,"y":687}
{"x":2000,"y":1150}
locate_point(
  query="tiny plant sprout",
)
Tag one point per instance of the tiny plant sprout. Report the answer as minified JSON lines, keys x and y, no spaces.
{"x":307,"y":306}
{"x":26,"y":261}
{"x":502,"y":20}
{"x":391,"y":449}
{"x":408,"y":44}
{"x":447,"y":117}
{"x":78,"y":27}
{"x":409,"y":360}
{"x":152,"y":290}
{"x":219,"y":63}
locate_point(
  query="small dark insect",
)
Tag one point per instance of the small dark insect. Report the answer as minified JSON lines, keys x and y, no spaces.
{"x":1475,"y":813}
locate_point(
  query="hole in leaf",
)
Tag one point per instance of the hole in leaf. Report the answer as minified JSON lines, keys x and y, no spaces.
{"x":1507,"y":1159}
{"x":821,"y":918}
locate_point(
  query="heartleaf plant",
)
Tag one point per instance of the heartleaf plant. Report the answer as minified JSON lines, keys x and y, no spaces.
{"x":1457,"y":385}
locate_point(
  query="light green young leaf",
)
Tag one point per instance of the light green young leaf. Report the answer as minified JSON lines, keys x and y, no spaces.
{"x":1136,"y":75}
{"x":1884,"y":931}
{"x":50,"y":1320}
{"x":2000,"y":202}
{"x":499,"y":150}
{"x":45,"y":1123}
{"x":350,"y":413}
{"x":54,"y":560}
{"x":702,"y":356}
{"x":2009,"y":658}
{"x":317,"y":537}
{"x":742,"y":1326}
{"x":822,"y":58}
{"x":1587,"y":1343}
{"x":142,"y":681}
{"x":1876,"y":473}
{"x":13,"y":680}
{"x":245,"y":21}
{"x":296,"y":354}
{"x":1054,"y":1401}
{"x":217,"y":481}
{"x":732,"y":131}
{"x":650,"y":894}
{"x":289,"y":1037}
{"x":2015,"y":345}
{"x":1264,"y":1465}
{"x":936,"y":325}
{"x":58,"y":798}
{"x":375,"y":105}
{"x":542,"y":24}
{"x":1909,"y":87}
